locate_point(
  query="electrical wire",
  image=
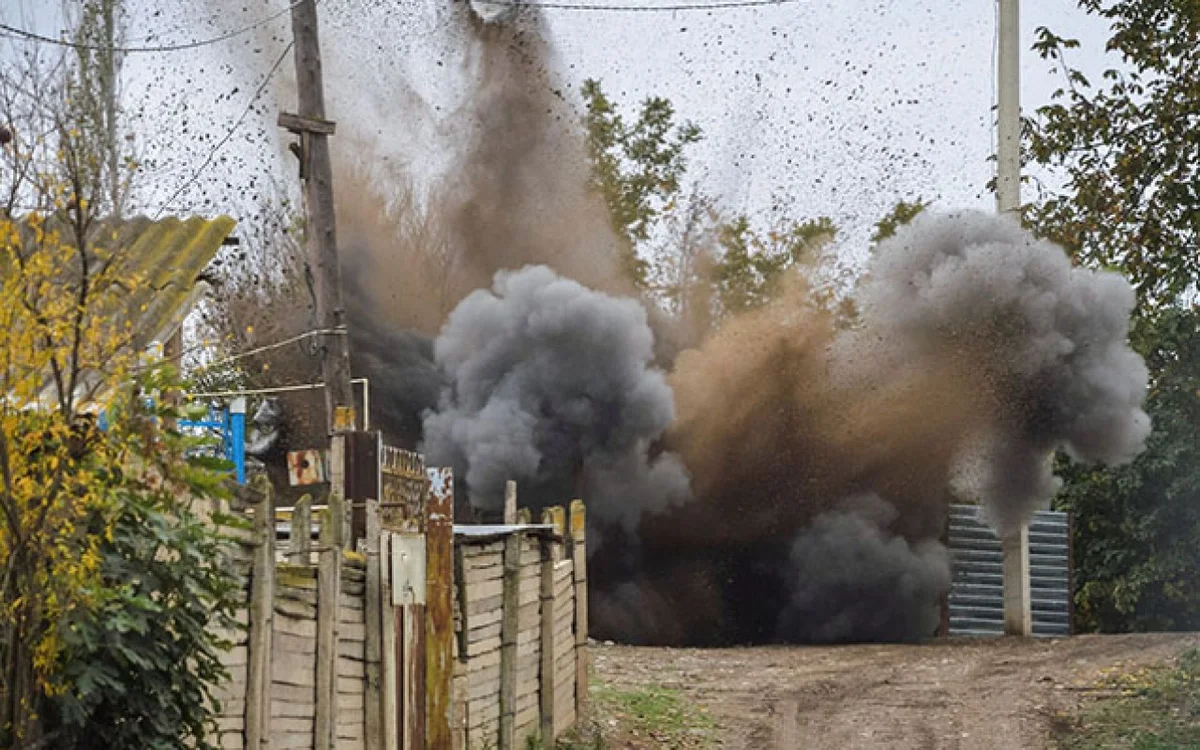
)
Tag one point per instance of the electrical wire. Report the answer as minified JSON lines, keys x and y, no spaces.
{"x":341,"y":331}
{"x":13,"y":31}
{"x":229,"y":134}
{"x":639,"y":8}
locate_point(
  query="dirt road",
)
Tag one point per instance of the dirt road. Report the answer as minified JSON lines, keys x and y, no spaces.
{"x":972,"y":695}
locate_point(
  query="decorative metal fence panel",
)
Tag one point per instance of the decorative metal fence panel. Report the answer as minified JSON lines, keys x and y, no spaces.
{"x":977,"y":592}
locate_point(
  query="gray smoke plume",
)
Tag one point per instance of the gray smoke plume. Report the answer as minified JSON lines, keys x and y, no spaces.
{"x":550,"y":384}
{"x":979,"y":350}
{"x":1045,"y":343}
{"x":854,"y":579}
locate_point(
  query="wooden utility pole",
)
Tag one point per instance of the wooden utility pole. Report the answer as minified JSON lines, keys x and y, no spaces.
{"x":315,"y":170}
{"x":321,"y":235}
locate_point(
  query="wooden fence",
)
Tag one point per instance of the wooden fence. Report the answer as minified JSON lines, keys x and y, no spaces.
{"x":428,"y":635}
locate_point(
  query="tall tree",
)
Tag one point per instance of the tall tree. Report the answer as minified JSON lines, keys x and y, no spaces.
{"x":1127,"y":151}
{"x":1125,"y":155}
{"x":637,"y":167}
{"x":752,"y":264}
{"x":107,"y":616}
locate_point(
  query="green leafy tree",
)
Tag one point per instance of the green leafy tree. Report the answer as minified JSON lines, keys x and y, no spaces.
{"x":638,"y":168}
{"x":1125,"y":155}
{"x":1137,"y":527}
{"x":114,"y":599}
{"x":751,"y":266}
{"x":902,"y":213}
{"x":138,"y":665}
{"x":1127,"y":150}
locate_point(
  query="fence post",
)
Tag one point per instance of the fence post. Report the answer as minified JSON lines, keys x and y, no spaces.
{"x":439,"y":606}
{"x":510,"y":502}
{"x":551,"y":551}
{"x":262,"y":608}
{"x":300,"y":536}
{"x":329,"y":595}
{"x":390,"y":657}
{"x":373,"y":718}
{"x":579,"y":558}
{"x":509,"y":627}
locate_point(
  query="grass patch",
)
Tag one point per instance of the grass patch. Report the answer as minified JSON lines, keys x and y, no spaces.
{"x":1149,"y":709}
{"x":644,"y":718}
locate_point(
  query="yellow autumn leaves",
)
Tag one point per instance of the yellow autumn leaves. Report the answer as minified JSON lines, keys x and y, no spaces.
{"x":63,"y":356}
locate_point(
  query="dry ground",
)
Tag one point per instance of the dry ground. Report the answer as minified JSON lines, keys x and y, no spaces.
{"x":968,"y":694}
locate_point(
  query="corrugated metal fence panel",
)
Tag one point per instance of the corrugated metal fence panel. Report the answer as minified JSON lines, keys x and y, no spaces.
{"x":977,"y":590}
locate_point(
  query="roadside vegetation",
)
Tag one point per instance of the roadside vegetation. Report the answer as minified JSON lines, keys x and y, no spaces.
{"x":1147,"y":709}
{"x":641,"y":718}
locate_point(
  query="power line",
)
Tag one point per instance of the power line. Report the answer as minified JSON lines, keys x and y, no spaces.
{"x":229,"y":134}
{"x":639,"y":8}
{"x":13,"y":31}
{"x":270,"y":347}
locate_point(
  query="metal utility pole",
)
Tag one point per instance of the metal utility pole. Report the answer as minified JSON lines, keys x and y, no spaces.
{"x":315,"y":170}
{"x":1008,"y":109}
{"x":1018,"y":611}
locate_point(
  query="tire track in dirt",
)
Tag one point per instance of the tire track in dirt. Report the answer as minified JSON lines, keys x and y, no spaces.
{"x":944,"y":695}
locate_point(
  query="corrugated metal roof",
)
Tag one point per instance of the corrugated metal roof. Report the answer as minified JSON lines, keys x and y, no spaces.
{"x":166,"y":257}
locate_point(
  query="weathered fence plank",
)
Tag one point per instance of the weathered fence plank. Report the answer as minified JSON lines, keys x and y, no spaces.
{"x":373,"y":649}
{"x":300,"y":532}
{"x":329,"y":586}
{"x":551,"y":552}
{"x":579,"y":556}
{"x":509,"y":628}
{"x":439,"y":606}
{"x":262,"y":597}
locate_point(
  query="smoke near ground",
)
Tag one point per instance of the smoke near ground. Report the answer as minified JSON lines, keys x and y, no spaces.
{"x":550,"y":384}
{"x":854,"y":580}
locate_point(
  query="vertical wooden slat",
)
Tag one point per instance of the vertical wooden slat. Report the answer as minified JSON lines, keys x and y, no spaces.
{"x":439,"y":606}
{"x":510,"y":502}
{"x":411,"y":623}
{"x":390,"y":661}
{"x":329,"y":587}
{"x":300,"y":535}
{"x":464,"y":620}
{"x":262,"y":601}
{"x":372,"y":596}
{"x":551,"y":553}
{"x":509,"y":627}
{"x":578,"y":542}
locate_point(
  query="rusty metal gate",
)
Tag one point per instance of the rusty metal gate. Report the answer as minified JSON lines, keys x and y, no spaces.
{"x":976,"y":602}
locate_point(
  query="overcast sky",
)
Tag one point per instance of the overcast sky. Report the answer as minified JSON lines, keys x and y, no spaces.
{"x":834,"y":107}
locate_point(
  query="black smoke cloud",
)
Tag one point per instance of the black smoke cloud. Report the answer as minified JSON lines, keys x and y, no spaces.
{"x":550,"y":384}
{"x":854,"y":579}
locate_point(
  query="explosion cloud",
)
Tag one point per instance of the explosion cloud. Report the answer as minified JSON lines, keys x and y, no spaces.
{"x":823,"y":460}
{"x":550,"y":384}
{"x":786,"y":479}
